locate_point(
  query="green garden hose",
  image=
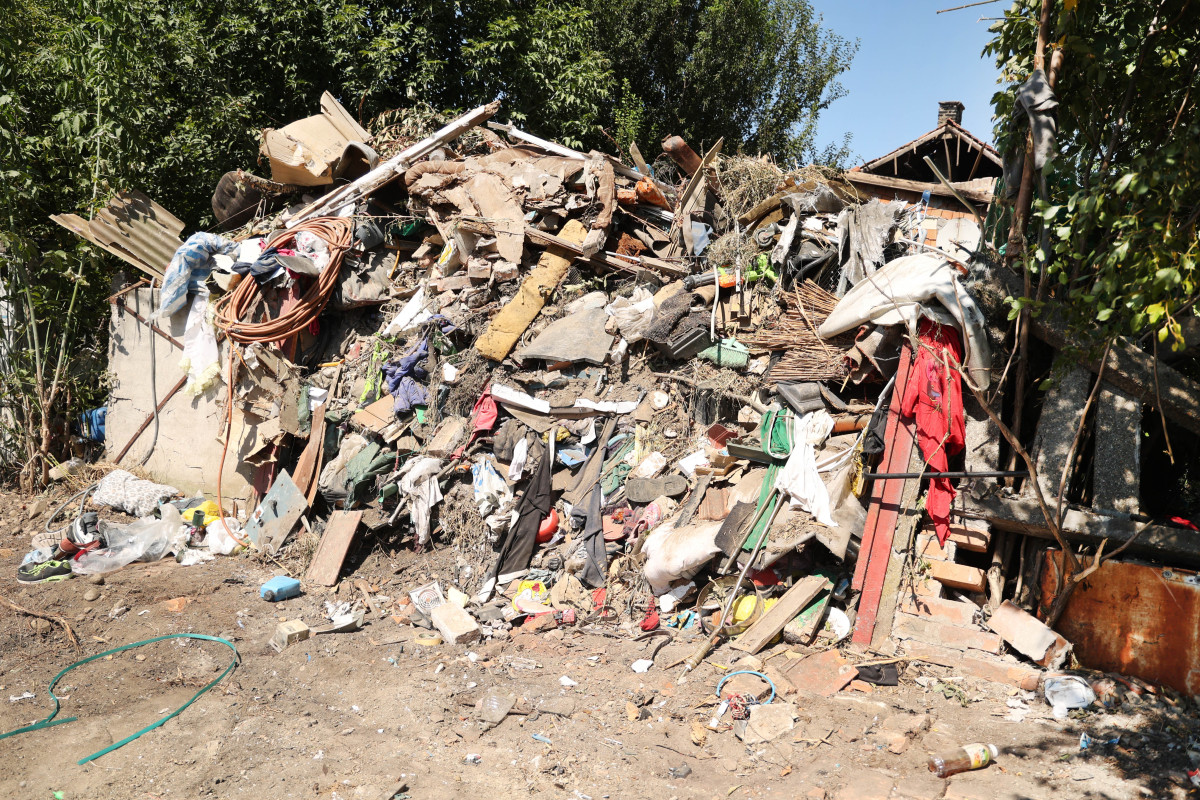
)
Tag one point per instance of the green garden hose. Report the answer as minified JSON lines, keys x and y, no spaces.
{"x":50,"y":721}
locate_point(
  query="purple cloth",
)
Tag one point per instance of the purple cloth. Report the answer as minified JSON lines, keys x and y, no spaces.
{"x":401,"y":379}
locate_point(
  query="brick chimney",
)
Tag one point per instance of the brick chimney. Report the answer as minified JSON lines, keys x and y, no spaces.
{"x":949,"y":109}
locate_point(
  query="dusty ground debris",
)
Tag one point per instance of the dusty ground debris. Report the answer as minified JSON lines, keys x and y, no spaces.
{"x":608,"y":485}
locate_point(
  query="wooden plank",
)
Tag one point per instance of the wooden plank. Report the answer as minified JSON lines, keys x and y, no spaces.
{"x":1022,"y":515}
{"x":335,"y":543}
{"x":771,"y":624}
{"x":307,"y":463}
{"x":958,"y":576}
{"x":906,"y":524}
{"x":883,"y":511}
{"x":886,"y":182}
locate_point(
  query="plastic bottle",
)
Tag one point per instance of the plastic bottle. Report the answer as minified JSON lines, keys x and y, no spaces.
{"x":281,"y":587}
{"x":967,"y":757}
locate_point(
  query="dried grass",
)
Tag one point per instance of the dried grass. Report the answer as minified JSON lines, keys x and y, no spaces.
{"x":746,"y":182}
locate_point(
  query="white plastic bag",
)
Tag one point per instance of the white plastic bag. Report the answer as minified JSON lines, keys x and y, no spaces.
{"x":633,"y":314}
{"x":218,"y":540}
{"x":147,"y":539}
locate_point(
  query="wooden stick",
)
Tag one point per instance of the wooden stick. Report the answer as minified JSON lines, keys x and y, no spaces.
{"x":57,"y":620}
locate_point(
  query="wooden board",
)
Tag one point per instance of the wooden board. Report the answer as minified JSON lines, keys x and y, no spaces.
{"x":883,"y":510}
{"x":771,"y":624}
{"x":335,"y":543}
{"x":377,"y":415}
{"x":306,"y":465}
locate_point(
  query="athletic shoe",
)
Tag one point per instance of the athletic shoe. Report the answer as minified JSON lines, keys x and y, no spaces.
{"x":45,"y":572}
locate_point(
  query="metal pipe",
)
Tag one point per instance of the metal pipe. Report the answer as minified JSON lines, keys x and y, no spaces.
{"x":961,"y":474}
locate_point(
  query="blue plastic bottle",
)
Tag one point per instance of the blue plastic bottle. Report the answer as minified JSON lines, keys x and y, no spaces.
{"x":281,"y":587}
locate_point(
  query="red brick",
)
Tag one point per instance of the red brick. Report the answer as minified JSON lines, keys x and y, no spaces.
{"x":958,"y":576}
{"x":952,"y":612}
{"x":972,"y":535}
{"x":926,"y":630}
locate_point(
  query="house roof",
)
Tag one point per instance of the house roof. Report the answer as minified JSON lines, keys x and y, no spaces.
{"x":948,"y":126}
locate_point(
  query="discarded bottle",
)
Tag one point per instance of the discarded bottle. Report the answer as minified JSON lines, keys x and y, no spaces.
{"x":281,"y":587}
{"x":967,"y":757}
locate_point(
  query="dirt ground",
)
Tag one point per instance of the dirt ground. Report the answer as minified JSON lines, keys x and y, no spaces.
{"x":372,"y":715}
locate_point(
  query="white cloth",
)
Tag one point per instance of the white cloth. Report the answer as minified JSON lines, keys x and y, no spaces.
{"x":898,"y":293}
{"x":418,"y":482}
{"x":520,"y":456}
{"x":799,"y":479}
{"x":201,"y":355}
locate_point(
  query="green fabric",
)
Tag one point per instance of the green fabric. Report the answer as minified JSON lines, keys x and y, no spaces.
{"x":775,"y":431}
{"x":50,"y":721}
{"x":615,"y":469}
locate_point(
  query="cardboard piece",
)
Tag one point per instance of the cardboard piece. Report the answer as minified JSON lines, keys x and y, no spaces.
{"x":304,"y":153}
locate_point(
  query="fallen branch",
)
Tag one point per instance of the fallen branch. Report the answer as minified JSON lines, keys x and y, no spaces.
{"x":57,"y":620}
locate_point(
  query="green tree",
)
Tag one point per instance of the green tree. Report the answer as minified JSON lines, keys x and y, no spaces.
{"x":758,"y":72}
{"x":1118,"y":213}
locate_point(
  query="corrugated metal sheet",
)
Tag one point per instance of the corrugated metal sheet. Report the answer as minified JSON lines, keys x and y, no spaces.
{"x":132,"y":227}
{"x":1134,"y":619}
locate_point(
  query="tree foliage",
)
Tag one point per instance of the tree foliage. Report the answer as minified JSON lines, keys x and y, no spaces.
{"x":1121,"y":201}
{"x":164,"y":97}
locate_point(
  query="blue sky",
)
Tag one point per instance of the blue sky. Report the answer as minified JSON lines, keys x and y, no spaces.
{"x":909,"y":58}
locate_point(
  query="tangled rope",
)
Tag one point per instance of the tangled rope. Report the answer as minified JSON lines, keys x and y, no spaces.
{"x":338,"y":233}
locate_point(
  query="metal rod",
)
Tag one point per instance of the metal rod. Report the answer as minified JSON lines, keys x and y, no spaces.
{"x":982,"y":474}
{"x":968,"y":5}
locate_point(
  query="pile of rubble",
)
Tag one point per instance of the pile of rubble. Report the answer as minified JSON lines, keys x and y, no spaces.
{"x":696,"y":397}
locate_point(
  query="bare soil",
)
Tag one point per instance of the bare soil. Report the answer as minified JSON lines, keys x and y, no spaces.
{"x":372,"y":715}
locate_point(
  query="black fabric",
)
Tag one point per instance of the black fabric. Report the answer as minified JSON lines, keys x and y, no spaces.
{"x":517,"y":549}
{"x":873,"y":442}
{"x":880,"y":674}
{"x":595,"y":568}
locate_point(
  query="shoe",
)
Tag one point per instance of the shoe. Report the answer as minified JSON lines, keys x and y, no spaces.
{"x":646,"y":490}
{"x":82,"y":535}
{"x":45,"y":572}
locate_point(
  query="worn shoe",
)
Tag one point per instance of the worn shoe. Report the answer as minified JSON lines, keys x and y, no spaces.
{"x":45,"y":572}
{"x":82,"y":535}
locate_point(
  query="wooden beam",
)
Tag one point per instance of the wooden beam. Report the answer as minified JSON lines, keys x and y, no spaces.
{"x":949,"y":172}
{"x":771,"y":623}
{"x":1021,"y":515}
{"x":917,"y":186}
{"x":975,"y":166}
{"x":335,"y":543}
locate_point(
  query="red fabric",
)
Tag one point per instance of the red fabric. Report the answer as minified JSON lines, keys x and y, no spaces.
{"x":1184,"y":523}
{"x":934,"y":396}
{"x":484,"y":416}
{"x":650,"y":621}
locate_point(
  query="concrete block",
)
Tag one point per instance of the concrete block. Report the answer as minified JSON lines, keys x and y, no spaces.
{"x":951,"y":612}
{"x":972,"y":535}
{"x":446,"y":438}
{"x":1115,"y":476}
{"x":954,"y":636}
{"x":928,"y":548}
{"x":1061,"y":410}
{"x":454,"y":624}
{"x":975,"y":666}
{"x":287,"y":634}
{"x":958,"y":576}
{"x":1029,"y":636}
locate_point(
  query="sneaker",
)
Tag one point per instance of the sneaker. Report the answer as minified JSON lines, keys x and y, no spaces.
{"x":82,"y":535}
{"x":45,"y":572}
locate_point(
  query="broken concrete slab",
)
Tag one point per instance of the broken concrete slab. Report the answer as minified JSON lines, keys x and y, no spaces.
{"x":1029,"y":636}
{"x":1116,"y":474}
{"x":1061,"y":411}
{"x":767,"y":723}
{"x":976,"y":666}
{"x":575,"y":338}
{"x":454,"y":624}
